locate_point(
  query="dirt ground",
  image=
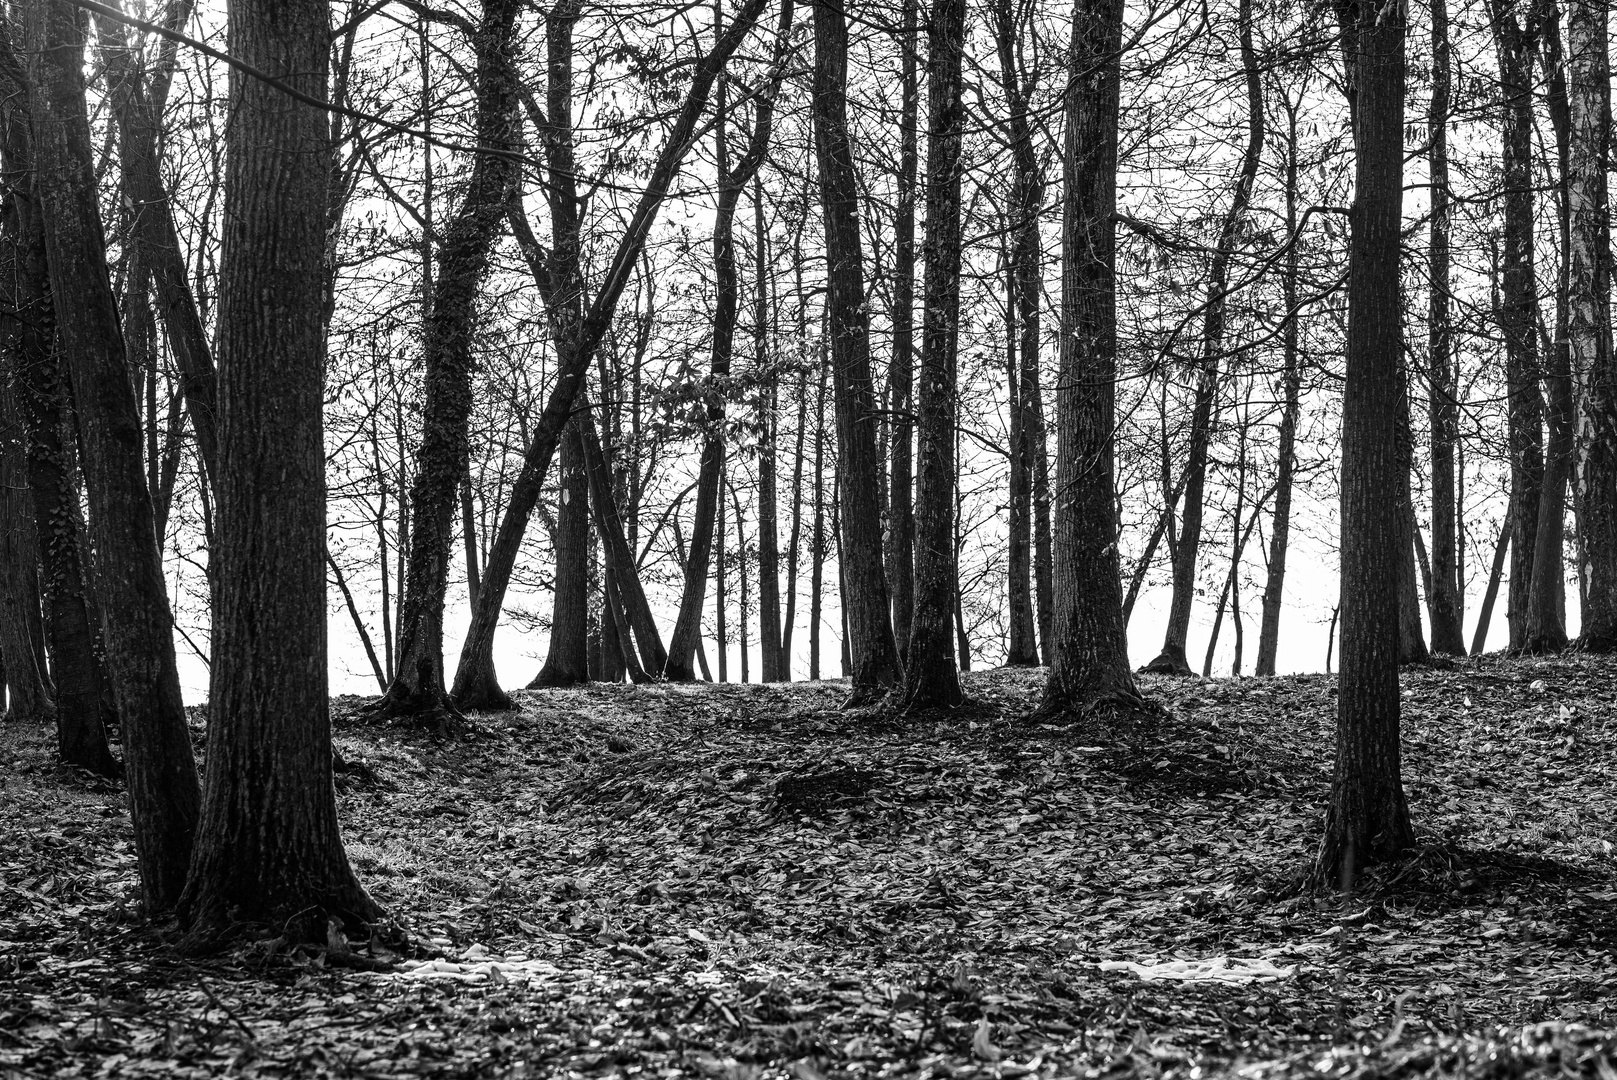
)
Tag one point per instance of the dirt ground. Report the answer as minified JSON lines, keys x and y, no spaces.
{"x":742,"y":881}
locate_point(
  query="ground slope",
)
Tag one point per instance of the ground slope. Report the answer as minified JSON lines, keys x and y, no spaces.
{"x":743,"y":881}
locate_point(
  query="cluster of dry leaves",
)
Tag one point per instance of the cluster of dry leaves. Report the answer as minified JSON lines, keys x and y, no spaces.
{"x":745,"y":882}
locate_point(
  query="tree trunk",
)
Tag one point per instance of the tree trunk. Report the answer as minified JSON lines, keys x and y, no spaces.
{"x":268,"y":846}
{"x":1443,"y":416}
{"x":901,"y":367}
{"x":1367,"y":819}
{"x":619,"y":556}
{"x":817,"y":548}
{"x":26,"y":682}
{"x":567,"y":663}
{"x":1518,"y":308}
{"x":1485,"y":615}
{"x":159,"y":769}
{"x":1589,"y":90}
{"x":1411,"y":637}
{"x":576,"y":339}
{"x":931,"y":679}
{"x":772,"y":661}
{"x":1021,"y":649}
{"x":1274,"y":587}
{"x":1088,"y":649}
{"x":464,"y":257}
{"x":873,"y":655}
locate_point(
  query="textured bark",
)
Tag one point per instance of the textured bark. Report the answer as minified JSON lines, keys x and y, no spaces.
{"x":1367,"y":818}
{"x":1518,"y":309}
{"x":268,"y":846}
{"x":27,"y":682}
{"x":159,"y":770}
{"x":931,"y":679}
{"x":901,"y":367}
{"x":576,"y":339}
{"x":567,"y":662}
{"x":772,"y":661}
{"x":1088,"y":649}
{"x":1021,"y":647}
{"x":732,"y":182}
{"x":1443,"y":415}
{"x":35,"y":378}
{"x":1589,"y":91}
{"x":817,"y":545}
{"x":1274,"y":586}
{"x":1411,"y":637}
{"x":873,"y":656}
{"x":418,"y":690}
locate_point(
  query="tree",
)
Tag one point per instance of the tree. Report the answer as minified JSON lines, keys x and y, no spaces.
{"x":901,"y":367}
{"x":1367,"y":819}
{"x":873,"y":655}
{"x":268,"y":847}
{"x":931,"y":678}
{"x":158,"y":766}
{"x":1442,"y":411}
{"x":567,"y":662}
{"x":463,"y":260}
{"x":1088,"y":648}
{"x":1589,"y":90}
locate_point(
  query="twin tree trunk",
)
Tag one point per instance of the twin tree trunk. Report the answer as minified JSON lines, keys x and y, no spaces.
{"x":931,"y":678}
{"x":159,"y":770}
{"x":873,"y":656}
{"x":268,"y":848}
{"x":1367,"y":819}
{"x":463,"y":260}
{"x":1088,"y":646}
{"x":1589,"y":291}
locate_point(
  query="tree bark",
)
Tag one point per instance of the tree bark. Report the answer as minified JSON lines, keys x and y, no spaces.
{"x":1443,"y":414}
{"x":268,"y":848}
{"x":159,"y":769}
{"x":567,"y":662}
{"x":27,"y":682}
{"x":1589,"y":90}
{"x":931,"y":679}
{"x":619,"y":556}
{"x":901,"y":367}
{"x":771,"y":660}
{"x":1367,"y":818}
{"x":1088,"y":648}
{"x":873,"y":655}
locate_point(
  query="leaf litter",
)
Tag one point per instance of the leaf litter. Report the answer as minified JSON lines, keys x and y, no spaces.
{"x":743,"y":881}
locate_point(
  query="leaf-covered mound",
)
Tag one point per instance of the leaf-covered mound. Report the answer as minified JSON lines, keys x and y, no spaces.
{"x":746,"y":882}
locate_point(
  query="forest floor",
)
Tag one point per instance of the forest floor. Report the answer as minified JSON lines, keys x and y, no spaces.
{"x":741,"y":881}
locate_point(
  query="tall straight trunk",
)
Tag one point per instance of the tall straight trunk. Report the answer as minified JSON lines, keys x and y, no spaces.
{"x":567,"y":662}
{"x":1172,"y":660}
{"x":576,"y":338}
{"x":1274,"y":586}
{"x":732,"y":182}
{"x":464,"y":256}
{"x":874,"y":660}
{"x":1589,"y":92}
{"x":158,"y":766}
{"x":772,"y":660}
{"x":1443,"y":416}
{"x":1030,"y":517}
{"x":931,"y":679}
{"x":1518,"y":312}
{"x":1411,"y":637}
{"x":37,"y":385}
{"x":901,"y":367}
{"x":817,"y":547}
{"x":1546,"y":601}
{"x":721,"y":598}
{"x":268,"y":846}
{"x":26,"y":682}
{"x":1021,"y":649}
{"x":1088,"y":649}
{"x":1367,"y":818}
{"x":794,"y":542}
{"x":741,"y":579}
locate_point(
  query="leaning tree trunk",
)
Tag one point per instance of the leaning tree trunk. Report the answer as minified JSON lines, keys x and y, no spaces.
{"x":1442,"y":411}
{"x":1088,"y":649}
{"x":268,"y":848}
{"x":1589,"y":90}
{"x":475,"y":678}
{"x":873,"y":655}
{"x":567,"y":662}
{"x":1367,"y":818}
{"x":931,"y":679}
{"x":83,"y":697}
{"x":1518,"y":310}
{"x":159,"y":769}
{"x":1411,"y":637}
{"x":463,"y":261}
